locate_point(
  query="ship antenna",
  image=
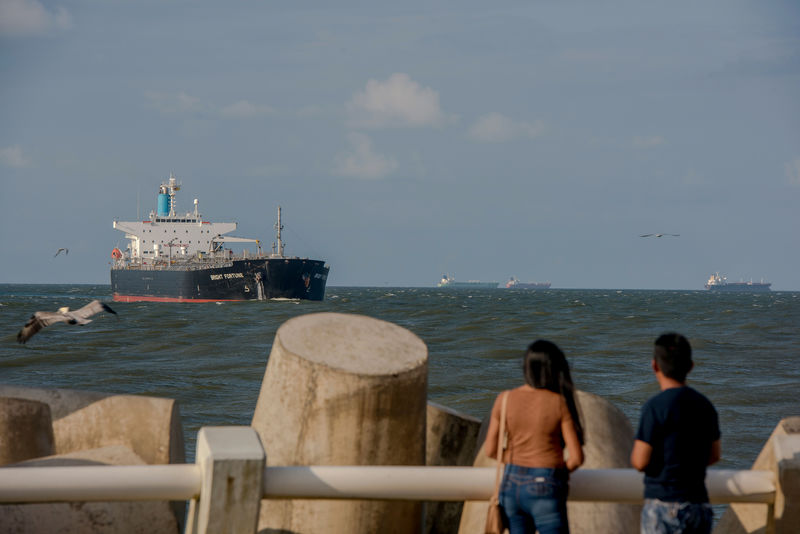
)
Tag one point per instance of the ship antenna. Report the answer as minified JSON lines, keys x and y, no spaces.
{"x":279,"y":227}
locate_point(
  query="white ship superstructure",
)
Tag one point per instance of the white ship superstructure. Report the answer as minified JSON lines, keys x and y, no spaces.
{"x":168,"y":235}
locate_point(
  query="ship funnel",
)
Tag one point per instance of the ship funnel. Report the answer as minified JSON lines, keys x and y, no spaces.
{"x":166,"y":197}
{"x":163,"y":203}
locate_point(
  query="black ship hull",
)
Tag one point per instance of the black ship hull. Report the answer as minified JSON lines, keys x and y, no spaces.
{"x":241,"y":279}
{"x":740,"y":287}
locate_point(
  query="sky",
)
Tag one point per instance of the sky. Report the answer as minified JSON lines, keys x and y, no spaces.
{"x":405,"y":140}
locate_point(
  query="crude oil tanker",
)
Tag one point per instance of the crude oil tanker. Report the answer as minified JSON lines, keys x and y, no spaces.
{"x":172,"y":257}
{"x":720,"y":283}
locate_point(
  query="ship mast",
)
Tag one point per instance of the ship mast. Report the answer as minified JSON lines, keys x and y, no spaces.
{"x":278,"y":227}
{"x":173,"y":186}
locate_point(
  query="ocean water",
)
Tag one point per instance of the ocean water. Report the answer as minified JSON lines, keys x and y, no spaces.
{"x":211,"y":357}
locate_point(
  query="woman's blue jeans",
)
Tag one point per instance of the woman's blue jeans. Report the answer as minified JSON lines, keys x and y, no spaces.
{"x":535,"y":498}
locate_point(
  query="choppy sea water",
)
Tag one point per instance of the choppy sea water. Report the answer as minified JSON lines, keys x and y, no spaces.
{"x":211,"y":357}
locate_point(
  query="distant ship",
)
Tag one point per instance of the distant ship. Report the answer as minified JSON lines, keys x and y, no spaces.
{"x":720,"y":283}
{"x":448,"y":281}
{"x":513,"y":283}
{"x":175,"y":257}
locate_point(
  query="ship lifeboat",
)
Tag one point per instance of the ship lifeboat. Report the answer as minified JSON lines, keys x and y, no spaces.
{"x":116,"y":254}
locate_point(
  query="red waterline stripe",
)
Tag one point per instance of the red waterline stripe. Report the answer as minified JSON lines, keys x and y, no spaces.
{"x":137,"y":298}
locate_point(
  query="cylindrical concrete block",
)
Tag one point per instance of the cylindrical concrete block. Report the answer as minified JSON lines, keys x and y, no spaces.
{"x":608,"y":437}
{"x":451,"y":439}
{"x":743,"y":518}
{"x":342,"y":390}
{"x":26,"y":430}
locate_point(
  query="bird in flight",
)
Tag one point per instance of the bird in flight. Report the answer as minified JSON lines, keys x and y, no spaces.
{"x":659,"y":235}
{"x":80,"y":316}
{"x":59,"y":251}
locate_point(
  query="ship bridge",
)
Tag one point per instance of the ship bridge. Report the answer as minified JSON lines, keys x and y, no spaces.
{"x":167,"y":233}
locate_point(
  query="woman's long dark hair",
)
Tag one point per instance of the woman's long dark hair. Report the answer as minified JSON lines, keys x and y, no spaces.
{"x":546,"y":367}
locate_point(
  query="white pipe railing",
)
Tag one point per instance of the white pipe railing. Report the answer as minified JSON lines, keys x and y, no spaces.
{"x":179,"y":482}
{"x":226,"y":485}
{"x":477,"y":484}
{"x":174,"y":482}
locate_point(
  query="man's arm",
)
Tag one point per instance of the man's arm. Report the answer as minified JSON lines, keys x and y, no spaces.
{"x":716,"y":453}
{"x":640,"y":455}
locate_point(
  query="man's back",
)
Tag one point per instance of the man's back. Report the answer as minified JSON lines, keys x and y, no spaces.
{"x":680,"y":424}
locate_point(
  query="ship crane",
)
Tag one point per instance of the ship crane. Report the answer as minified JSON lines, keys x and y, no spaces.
{"x":219,"y":239}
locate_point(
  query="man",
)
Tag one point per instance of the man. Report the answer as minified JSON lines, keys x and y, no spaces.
{"x":678,"y":438}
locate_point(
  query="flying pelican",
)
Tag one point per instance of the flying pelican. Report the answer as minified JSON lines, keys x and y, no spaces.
{"x":659,"y":235}
{"x":66,"y":251}
{"x":80,"y":316}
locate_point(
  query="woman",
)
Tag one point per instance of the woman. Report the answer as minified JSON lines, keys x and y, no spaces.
{"x":541,"y":419}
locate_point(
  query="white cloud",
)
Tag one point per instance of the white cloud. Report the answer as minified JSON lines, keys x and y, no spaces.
{"x":793,"y":171}
{"x":30,"y":17}
{"x":496,"y":128}
{"x":398,"y":101}
{"x":173,"y":103}
{"x":12,"y":157}
{"x":244,"y":110}
{"x":643,"y":141}
{"x":182,"y":103}
{"x":362,"y":162}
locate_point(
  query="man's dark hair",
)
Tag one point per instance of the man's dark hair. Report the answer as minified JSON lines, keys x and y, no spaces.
{"x":673,"y":354}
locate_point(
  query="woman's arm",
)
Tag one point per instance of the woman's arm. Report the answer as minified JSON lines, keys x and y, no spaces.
{"x":716,"y":452}
{"x":574,"y":448}
{"x":490,"y":444}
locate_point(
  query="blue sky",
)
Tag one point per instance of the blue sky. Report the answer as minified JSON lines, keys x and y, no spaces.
{"x":406,"y":140}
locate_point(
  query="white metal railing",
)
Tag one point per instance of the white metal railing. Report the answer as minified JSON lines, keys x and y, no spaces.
{"x":174,"y":482}
{"x":477,"y":483}
{"x":184,"y":481}
{"x":226,"y":484}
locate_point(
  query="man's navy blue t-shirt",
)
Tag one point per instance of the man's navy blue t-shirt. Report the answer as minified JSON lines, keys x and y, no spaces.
{"x":680,"y":424}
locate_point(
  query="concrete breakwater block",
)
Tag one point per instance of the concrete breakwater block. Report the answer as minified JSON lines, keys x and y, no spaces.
{"x":342,"y":389}
{"x":754,"y":518}
{"x":26,"y":430}
{"x":149,"y":426}
{"x":608,"y":437}
{"x":451,"y":440}
{"x":137,"y":517}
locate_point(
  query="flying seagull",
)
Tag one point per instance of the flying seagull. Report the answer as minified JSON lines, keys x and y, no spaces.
{"x":80,"y":316}
{"x":66,"y":251}
{"x":659,"y":235}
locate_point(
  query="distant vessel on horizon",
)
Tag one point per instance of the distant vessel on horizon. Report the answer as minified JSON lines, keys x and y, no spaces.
{"x":450,"y":282}
{"x":720,"y":283}
{"x":513,"y":283}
